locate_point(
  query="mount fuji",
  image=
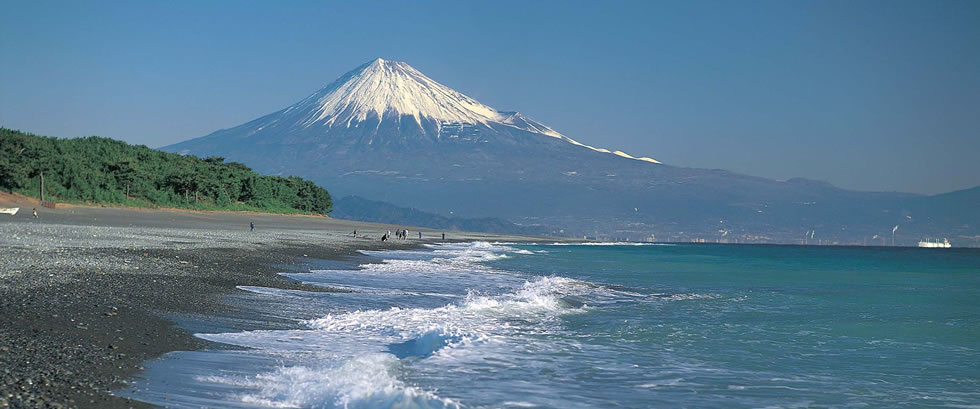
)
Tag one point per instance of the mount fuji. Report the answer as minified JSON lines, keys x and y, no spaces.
{"x":389,"y":103}
{"x":385,"y":131}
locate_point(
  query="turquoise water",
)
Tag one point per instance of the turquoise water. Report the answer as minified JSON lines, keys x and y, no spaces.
{"x":575,"y":326}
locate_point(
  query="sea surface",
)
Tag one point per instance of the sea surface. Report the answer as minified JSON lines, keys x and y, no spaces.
{"x":500,"y":325}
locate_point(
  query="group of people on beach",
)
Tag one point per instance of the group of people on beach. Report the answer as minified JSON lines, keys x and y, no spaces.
{"x":400,"y":234}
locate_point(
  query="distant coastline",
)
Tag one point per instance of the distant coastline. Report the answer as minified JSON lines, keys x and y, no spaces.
{"x":21,"y":200}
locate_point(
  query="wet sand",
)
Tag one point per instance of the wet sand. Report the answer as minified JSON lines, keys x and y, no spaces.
{"x":85,"y":291}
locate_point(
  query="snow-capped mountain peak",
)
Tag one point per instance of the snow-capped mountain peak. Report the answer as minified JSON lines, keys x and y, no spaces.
{"x":392,"y":87}
{"x":385,"y":100}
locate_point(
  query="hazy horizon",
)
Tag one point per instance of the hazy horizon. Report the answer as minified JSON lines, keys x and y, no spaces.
{"x":877,"y":96}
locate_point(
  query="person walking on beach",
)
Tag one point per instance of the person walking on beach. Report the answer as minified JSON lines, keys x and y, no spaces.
{"x":444,"y":236}
{"x":251,"y":226}
{"x":420,"y":235}
{"x":35,"y":212}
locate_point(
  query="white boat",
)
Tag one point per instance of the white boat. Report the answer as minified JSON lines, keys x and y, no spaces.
{"x":935,"y":244}
{"x":9,"y":210}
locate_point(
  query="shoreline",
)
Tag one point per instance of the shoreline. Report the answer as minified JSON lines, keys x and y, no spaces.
{"x":85,"y":291}
{"x":22,"y":201}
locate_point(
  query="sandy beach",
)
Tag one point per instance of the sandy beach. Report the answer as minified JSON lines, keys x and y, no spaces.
{"x":85,"y":291}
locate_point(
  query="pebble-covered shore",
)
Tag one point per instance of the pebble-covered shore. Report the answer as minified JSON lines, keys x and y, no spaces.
{"x":83,"y":291}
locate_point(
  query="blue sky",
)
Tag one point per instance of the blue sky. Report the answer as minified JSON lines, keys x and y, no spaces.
{"x":869,"y":95}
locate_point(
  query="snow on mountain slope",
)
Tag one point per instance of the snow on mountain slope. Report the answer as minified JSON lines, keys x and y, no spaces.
{"x":392,"y":89}
{"x":380,"y":86}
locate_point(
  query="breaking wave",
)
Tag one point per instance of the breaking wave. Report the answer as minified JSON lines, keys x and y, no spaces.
{"x":366,"y":381}
{"x":352,"y":359}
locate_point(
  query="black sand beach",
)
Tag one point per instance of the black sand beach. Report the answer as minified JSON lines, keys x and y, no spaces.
{"x":84,"y":291}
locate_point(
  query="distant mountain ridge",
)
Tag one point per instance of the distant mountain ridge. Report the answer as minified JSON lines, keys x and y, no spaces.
{"x":361,"y":209}
{"x":385,"y":131}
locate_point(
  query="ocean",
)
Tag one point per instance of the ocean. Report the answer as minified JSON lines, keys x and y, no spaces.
{"x":505,"y":325}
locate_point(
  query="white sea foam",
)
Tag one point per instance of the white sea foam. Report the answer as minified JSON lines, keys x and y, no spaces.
{"x":453,"y":267}
{"x":479,"y":245}
{"x":477,"y":316}
{"x":366,"y":381}
{"x":273,"y":291}
{"x":360,"y":358}
{"x":352,"y":359}
{"x":520,"y":404}
{"x":517,"y":340}
{"x":610,"y":243}
{"x":442,"y":257}
{"x":688,"y":297}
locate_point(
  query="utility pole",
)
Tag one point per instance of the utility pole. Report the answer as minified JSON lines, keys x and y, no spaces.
{"x":42,"y":188}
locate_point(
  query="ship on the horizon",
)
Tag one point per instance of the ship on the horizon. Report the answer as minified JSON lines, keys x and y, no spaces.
{"x":936,"y":244}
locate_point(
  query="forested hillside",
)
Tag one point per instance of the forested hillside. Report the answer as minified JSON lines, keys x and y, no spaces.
{"x":106,"y":171}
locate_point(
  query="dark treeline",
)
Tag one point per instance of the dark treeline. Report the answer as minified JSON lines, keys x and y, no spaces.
{"x":106,"y":171}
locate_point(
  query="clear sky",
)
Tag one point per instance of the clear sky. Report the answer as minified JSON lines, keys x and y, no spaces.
{"x":869,"y":95}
